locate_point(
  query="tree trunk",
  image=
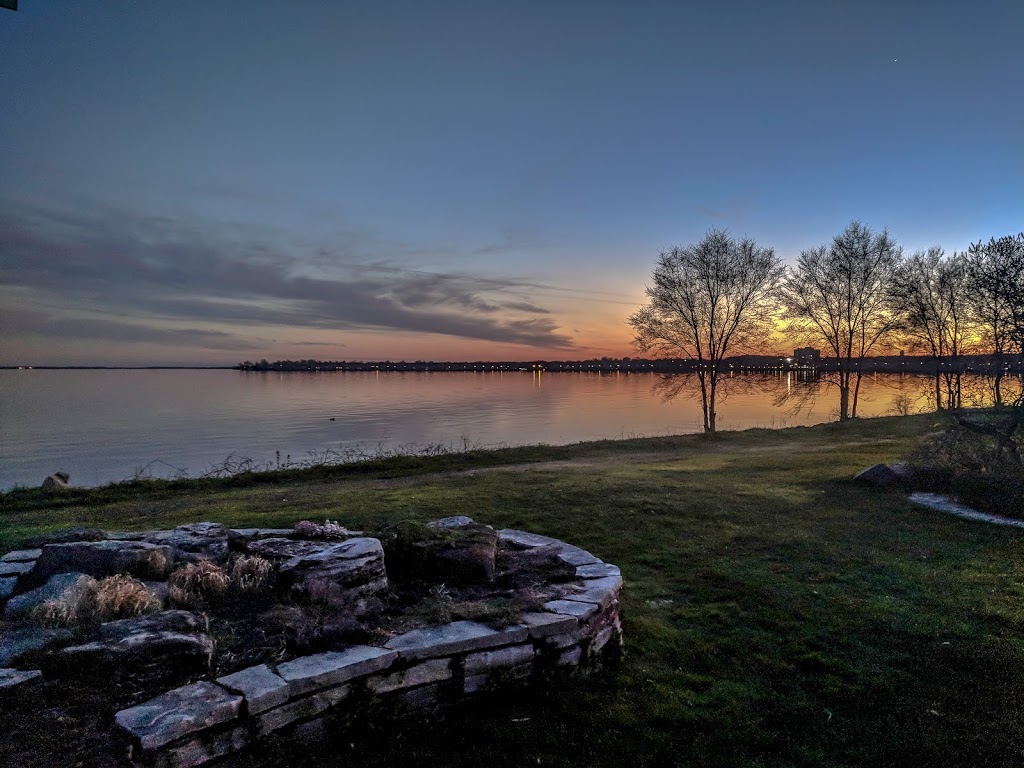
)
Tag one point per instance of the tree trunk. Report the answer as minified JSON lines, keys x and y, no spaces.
{"x":702,"y":377}
{"x":856,"y":395}
{"x":712,"y":416}
{"x":938,"y":390}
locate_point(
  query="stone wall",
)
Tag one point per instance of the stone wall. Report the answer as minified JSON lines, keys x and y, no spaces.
{"x":421,"y":669}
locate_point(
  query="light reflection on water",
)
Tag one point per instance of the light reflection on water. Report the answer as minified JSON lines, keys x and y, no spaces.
{"x":105,"y":425}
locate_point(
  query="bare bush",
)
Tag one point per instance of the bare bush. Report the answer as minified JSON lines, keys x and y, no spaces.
{"x":199,"y":583}
{"x":250,"y":573}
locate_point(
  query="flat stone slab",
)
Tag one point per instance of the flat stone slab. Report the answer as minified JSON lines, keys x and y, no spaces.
{"x":580,"y":610}
{"x":599,"y":591}
{"x":455,"y":637}
{"x":544,"y":624}
{"x":597,"y":571}
{"x":303,"y":709}
{"x":476,"y":663}
{"x":178,"y":713}
{"x":16,"y":643}
{"x":13,"y":568}
{"x":163,"y":621}
{"x":576,"y":556}
{"x":262,"y":688}
{"x":455,"y":521}
{"x":524,"y":539}
{"x":941,"y":503}
{"x":433,"y":671}
{"x":7,"y":585}
{"x":310,"y":673}
{"x":22,"y":605}
{"x":12,"y":678}
{"x":21,"y":556}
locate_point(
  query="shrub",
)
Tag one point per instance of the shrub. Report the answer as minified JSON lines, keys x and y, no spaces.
{"x":978,"y":460}
{"x":329,"y":531}
{"x":199,"y":583}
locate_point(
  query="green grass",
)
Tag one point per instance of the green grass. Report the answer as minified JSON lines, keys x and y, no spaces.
{"x":775,"y":612}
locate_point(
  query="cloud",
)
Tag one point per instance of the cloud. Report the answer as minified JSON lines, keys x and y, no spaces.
{"x":62,"y":327}
{"x":129,"y":278}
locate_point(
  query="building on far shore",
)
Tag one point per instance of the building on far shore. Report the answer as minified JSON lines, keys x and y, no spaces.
{"x":807,"y":357}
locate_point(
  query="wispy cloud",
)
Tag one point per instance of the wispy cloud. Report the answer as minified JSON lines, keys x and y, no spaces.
{"x":117,"y":277}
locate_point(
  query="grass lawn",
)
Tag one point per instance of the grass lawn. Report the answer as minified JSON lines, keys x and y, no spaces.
{"x":775,"y":612}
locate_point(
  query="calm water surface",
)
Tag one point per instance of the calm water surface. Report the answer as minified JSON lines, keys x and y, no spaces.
{"x":102,"y":426}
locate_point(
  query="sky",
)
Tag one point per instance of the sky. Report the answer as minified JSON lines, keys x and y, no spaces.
{"x":201,"y":183}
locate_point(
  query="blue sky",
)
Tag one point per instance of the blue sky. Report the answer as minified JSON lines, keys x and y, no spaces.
{"x":207,"y":182}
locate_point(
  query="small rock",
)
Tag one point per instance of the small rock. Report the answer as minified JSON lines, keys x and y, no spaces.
{"x":56,"y":482}
{"x":880,"y":475}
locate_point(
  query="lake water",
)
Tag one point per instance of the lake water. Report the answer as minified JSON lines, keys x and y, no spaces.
{"x":103,"y":426}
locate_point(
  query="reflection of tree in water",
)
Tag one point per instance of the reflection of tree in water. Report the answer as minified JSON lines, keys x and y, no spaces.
{"x":669,"y":386}
{"x":911,"y":394}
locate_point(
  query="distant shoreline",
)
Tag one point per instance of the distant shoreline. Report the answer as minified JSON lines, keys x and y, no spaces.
{"x":773,"y":364}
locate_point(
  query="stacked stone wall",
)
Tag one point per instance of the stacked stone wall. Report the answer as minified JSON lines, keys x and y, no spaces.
{"x":422,"y":669}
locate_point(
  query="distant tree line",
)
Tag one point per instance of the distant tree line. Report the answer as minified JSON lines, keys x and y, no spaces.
{"x":852,"y":297}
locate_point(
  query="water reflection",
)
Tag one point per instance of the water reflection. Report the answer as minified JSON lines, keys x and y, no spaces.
{"x":104,"y":425}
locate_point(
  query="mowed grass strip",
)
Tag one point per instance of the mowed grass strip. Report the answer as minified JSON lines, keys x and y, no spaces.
{"x":776,"y":613}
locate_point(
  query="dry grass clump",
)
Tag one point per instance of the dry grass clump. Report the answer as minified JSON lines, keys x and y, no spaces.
{"x":121,"y":596}
{"x":198,"y":583}
{"x":153,"y":565}
{"x":115,"y":597}
{"x":250,"y":573}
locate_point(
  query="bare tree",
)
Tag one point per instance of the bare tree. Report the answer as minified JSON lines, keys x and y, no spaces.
{"x":709,"y":300}
{"x":839,"y":296}
{"x":930,"y":295}
{"x":995,"y":274}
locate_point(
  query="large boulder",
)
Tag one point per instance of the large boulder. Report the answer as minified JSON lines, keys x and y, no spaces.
{"x":104,"y":558}
{"x":164,"y":646}
{"x":454,"y":550}
{"x":355,"y":565}
{"x":194,"y":542}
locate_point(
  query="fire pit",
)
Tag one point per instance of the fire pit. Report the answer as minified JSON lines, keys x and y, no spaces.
{"x":203,"y":640}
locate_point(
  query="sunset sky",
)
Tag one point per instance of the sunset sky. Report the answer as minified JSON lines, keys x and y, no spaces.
{"x":204,"y":182}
